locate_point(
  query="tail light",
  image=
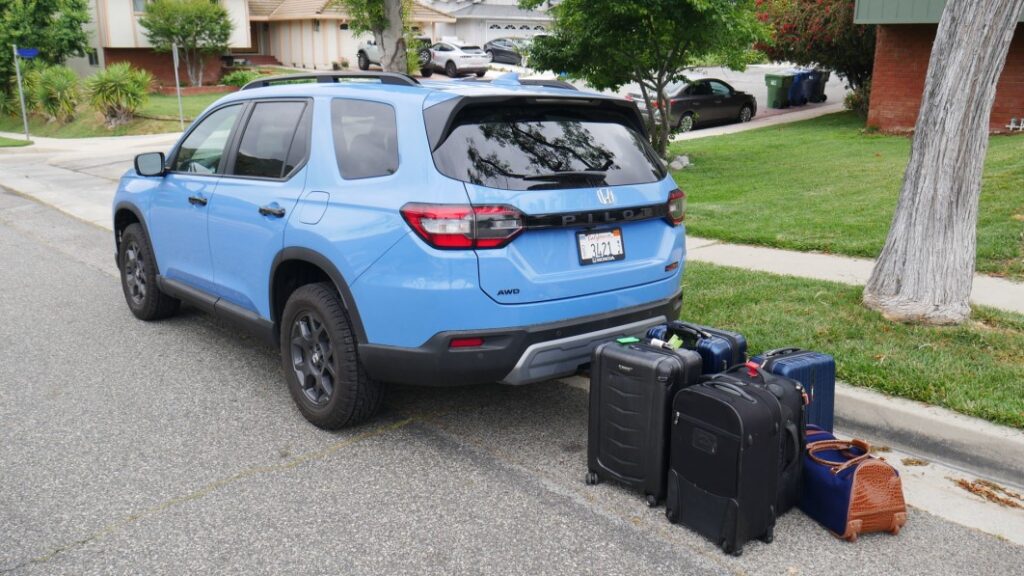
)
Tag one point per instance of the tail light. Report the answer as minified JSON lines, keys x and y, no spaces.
{"x":459,"y":226}
{"x":677,"y":207}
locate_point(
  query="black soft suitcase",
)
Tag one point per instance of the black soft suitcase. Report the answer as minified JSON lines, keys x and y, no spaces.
{"x":724,"y":460}
{"x":792,"y":399}
{"x":631,"y":391}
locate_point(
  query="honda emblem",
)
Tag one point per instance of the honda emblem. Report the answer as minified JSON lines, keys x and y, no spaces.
{"x":605,"y":196}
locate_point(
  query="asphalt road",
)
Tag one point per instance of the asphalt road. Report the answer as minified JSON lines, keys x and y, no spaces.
{"x":173,"y":448}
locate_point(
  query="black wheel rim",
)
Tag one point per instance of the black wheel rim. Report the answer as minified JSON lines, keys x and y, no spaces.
{"x":135,"y":273}
{"x":313,"y":358}
{"x":745,"y":115}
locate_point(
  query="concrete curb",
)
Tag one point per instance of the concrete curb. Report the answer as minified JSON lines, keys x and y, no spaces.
{"x":963,"y":442}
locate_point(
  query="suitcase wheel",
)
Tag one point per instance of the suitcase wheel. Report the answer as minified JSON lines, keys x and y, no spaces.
{"x":672,"y":515}
{"x":769,"y":536}
{"x":591,"y":478}
{"x":729,"y":549}
{"x":652,"y":500}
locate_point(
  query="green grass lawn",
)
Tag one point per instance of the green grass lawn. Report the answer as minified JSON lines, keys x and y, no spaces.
{"x":11,"y":143}
{"x":90,"y":123}
{"x":825,"y":185}
{"x":976,"y":368}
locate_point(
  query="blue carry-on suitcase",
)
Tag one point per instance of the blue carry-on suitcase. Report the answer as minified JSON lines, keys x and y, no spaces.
{"x":815,"y":370}
{"x":719,"y":349}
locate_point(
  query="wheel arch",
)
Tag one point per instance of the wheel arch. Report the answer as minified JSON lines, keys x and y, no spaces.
{"x":126,"y":214}
{"x":294,"y":267}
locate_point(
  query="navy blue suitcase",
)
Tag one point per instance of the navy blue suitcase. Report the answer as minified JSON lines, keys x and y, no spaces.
{"x":719,"y":349}
{"x":815,"y":370}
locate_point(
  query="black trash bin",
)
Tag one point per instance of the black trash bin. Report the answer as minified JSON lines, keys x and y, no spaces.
{"x":814,"y":90}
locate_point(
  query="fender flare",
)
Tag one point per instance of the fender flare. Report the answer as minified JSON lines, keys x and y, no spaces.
{"x":125,"y":205}
{"x":322,"y":262}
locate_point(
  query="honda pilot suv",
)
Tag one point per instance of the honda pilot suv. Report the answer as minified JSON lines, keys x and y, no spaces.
{"x":376,"y":229}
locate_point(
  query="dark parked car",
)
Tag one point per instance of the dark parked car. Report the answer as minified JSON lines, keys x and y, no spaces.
{"x":706,"y":101}
{"x":507,"y":50}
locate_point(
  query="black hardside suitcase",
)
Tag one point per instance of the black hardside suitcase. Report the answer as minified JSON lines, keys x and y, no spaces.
{"x":792,"y":399}
{"x":724,"y":459}
{"x":631,"y":391}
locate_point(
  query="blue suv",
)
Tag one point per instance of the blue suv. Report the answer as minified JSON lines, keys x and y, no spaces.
{"x":377,"y":229}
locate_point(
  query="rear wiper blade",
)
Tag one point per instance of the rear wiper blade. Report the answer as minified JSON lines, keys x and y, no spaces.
{"x":568,"y":175}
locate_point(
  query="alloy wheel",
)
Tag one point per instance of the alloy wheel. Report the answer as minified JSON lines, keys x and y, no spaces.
{"x":313,"y":358}
{"x":135,"y":273}
{"x":745,"y":114}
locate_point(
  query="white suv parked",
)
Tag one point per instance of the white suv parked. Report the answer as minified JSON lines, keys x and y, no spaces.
{"x":455,"y":59}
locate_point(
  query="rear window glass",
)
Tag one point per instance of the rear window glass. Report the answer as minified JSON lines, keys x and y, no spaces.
{"x":472,"y":49}
{"x":365,"y":138}
{"x":268,"y":139}
{"x":535,"y":148}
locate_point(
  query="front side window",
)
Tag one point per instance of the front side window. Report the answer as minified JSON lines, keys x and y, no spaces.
{"x":365,"y":138}
{"x":545,"y":147}
{"x":139,"y":6}
{"x":720,"y":89}
{"x":267,"y":140}
{"x":203,"y":149}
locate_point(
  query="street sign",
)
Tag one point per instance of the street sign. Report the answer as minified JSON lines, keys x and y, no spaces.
{"x":28,"y":53}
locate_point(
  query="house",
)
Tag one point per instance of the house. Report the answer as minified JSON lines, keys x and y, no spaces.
{"x":478,"y":21}
{"x":312,"y":34}
{"x":905,"y":34}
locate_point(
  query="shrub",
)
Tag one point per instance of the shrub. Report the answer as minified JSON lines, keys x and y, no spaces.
{"x":240,"y":78}
{"x":57,"y":93}
{"x":119,"y":91}
{"x":859,"y":99}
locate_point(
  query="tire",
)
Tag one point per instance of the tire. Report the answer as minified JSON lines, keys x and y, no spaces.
{"x":321,"y":363}
{"x":481,"y":73}
{"x":450,"y":70}
{"x":685,"y":123}
{"x":746,"y":113}
{"x":491,"y":54}
{"x":138,"y":277}
{"x":362,"y":61}
{"x":426,"y":72}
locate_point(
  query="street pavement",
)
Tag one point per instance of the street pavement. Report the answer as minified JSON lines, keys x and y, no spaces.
{"x":173,"y":448}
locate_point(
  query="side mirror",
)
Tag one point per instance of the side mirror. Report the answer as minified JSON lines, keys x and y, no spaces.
{"x":150,"y":164}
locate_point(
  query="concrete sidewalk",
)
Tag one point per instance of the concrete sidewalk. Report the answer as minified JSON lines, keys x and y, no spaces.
{"x":987,"y":290}
{"x":764,"y":121}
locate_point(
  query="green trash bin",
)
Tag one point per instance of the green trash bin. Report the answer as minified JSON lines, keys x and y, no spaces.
{"x":778,"y":89}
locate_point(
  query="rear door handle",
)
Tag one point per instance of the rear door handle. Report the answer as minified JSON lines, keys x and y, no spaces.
{"x":271,"y":210}
{"x":197,"y":200}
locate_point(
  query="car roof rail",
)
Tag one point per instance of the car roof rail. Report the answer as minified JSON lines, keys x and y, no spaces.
{"x":390,"y":78}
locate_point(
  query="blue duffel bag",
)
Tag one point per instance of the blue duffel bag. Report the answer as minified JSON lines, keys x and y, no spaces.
{"x":815,"y":370}
{"x":719,"y":349}
{"x":849,"y":491}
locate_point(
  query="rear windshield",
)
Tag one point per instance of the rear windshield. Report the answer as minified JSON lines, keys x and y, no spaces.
{"x":535,"y":148}
{"x":472,"y":50}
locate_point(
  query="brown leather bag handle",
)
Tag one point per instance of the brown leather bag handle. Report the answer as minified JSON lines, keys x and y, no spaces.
{"x":840,"y":445}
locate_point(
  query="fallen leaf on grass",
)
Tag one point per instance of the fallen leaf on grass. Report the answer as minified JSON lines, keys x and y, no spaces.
{"x":914,"y":462}
{"x":875,"y":449}
{"x":1018,"y":217}
{"x":992,"y":492}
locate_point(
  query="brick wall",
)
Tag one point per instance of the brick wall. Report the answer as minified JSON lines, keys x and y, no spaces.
{"x":901,"y":64}
{"x":161,"y":65}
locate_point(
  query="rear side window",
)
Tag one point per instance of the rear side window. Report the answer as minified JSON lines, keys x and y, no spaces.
{"x":365,"y":138}
{"x":264,"y":151}
{"x":545,"y":147}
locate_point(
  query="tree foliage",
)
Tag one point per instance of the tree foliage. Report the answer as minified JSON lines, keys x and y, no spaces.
{"x":820,"y":32}
{"x":199,"y":28}
{"x":387,"y":21}
{"x":647,"y":42}
{"x":52,"y":26}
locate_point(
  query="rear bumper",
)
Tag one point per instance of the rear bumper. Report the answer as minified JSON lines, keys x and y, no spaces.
{"x":515,"y":355}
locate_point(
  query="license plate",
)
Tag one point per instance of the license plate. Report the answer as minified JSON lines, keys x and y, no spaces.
{"x":597,"y":247}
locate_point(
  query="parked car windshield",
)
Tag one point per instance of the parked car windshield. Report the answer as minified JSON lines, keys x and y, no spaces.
{"x":534,"y":148}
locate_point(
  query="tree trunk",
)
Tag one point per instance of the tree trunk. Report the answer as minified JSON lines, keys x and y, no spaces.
{"x":925,"y":271}
{"x":393,"y":57}
{"x":201,"y":65}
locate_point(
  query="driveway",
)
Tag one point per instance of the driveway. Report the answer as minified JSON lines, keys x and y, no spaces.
{"x":173,"y":448}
